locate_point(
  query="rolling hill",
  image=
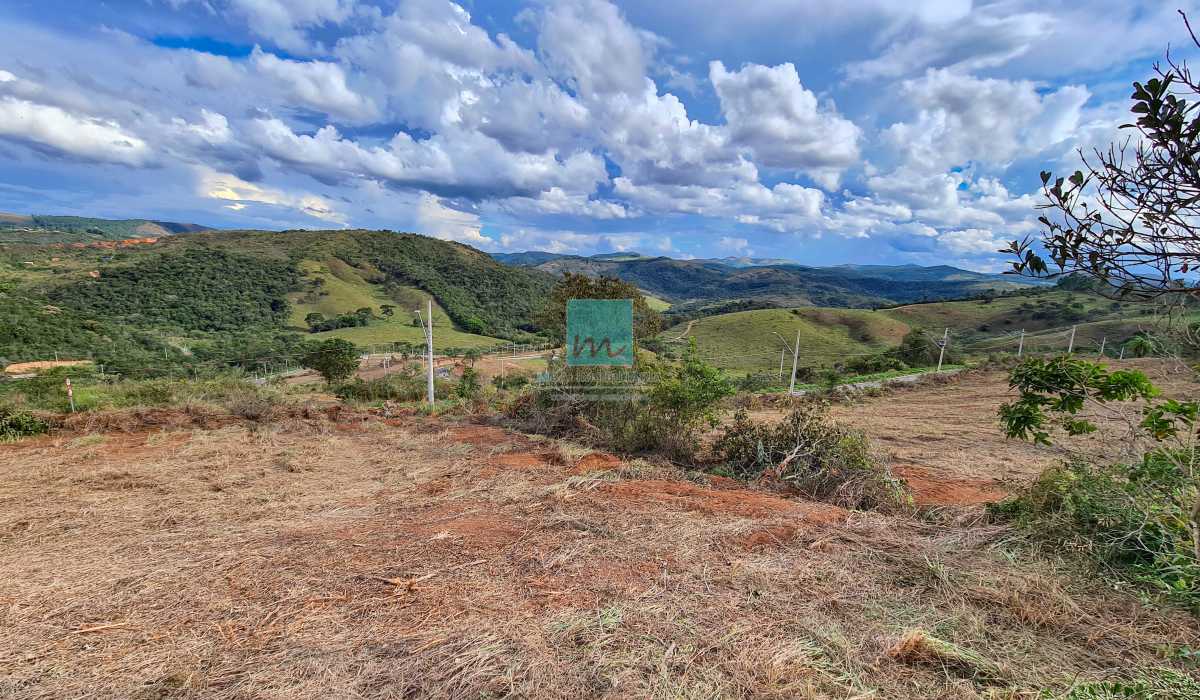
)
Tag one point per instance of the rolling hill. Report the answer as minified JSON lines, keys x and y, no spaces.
{"x":39,"y":229}
{"x":746,"y":341}
{"x":749,"y":341}
{"x":696,"y":283}
{"x":217,"y":296}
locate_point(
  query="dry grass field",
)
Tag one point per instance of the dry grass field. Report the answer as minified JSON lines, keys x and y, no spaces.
{"x":342,"y":555}
{"x":944,"y":437}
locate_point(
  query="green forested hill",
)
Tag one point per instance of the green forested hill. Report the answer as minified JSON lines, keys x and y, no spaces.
{"x":704,"y":281}
{"x":40,"y":229}
{"x":213,"y":294}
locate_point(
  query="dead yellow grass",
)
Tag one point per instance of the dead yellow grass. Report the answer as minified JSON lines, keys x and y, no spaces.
{"x":352,"y":557}
{"x":944,"y":438}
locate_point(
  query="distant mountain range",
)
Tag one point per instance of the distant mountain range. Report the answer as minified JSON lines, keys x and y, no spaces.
{"x":41,"y":229}
{"x":773,"y":280}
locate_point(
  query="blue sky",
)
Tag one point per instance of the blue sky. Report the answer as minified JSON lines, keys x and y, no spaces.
{"x":885,"y":131}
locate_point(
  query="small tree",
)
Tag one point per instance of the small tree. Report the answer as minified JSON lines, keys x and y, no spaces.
{"x":1131,"y":218}
{"x":387,"y":310}
{"x":918,"y":349}
{"x":1051,"y":393}
{"x":553,"y":317}
{"x":335,"y":359}
{"x":314,"y":319}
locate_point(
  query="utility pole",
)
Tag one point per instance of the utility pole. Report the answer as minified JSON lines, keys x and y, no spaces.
{"x":1122,"y":357}
{"x":1103,"y":342}
{"x":1071,"y":343}
{"x":429,"y":347}
{"x":1021,"y":343}
{"x":70,"y":395}
{"x":795,"y":359}
{"x":942,"y":352}
{"x":781,"y":351}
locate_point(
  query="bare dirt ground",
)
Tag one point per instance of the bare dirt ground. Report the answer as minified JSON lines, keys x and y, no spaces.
{"x":945,"y":440}
{"x":369,"y":558}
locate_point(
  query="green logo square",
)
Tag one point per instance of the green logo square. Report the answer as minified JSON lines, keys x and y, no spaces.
{"x":600,"y":332}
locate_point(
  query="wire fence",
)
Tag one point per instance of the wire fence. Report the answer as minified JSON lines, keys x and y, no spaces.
{"x":263,"y":367}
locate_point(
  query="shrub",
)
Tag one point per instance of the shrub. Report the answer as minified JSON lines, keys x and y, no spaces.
{"x":510,"y":380}
{"x":1141,"y":521}
{"x":335,"y":359}
{"x":758,"y":381}
{"x":1151,"y":684}
{"x":919,"y":349}
{"x":468,"y":385}
{"x":395,"y":387}
{"x":17,"y":424}
{"x":1132,"y":519}
{"x":625,"y":412}
{"x":873,"y":364}
{"x":809,"y":451}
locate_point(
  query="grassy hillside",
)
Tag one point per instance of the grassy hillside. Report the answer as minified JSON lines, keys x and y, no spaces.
{"x":745,"y":341}
{"x":345,"y":289}
{"x":1046,"y":316}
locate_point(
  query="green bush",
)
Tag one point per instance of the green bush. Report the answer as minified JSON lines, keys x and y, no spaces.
{"x":809,"y":451}
{"x":468,"y":385}
{"x":1153,"y":684}
{"x":660,"y":410}
{"x":401,"y":386}
{"x":510,"y":380}
{"x":17,"y":424}
{"x":758,"y":382}
{"x":873,"y":364}
{"x":1132,"y":519}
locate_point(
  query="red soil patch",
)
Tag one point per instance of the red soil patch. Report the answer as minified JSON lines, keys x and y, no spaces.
{"x":477,"y":531}
{"x":479,"y":435}
{"x":767,"y":538}
{"x":932,"y":489}
{"x":596,"y":462}
{"x":684,"y":496}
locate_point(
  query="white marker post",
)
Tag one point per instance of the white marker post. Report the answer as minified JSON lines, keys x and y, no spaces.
{"x":1103,"y":342}
{"x":795,"y":359}
{"x":1071,"y":343}
{"x":942,"y":352}
{"x":70,"y":395}
{"x":1021,"y":343}
{"x":429,"y":346}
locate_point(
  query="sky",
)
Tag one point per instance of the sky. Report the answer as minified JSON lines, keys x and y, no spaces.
{"x":873,"y":131}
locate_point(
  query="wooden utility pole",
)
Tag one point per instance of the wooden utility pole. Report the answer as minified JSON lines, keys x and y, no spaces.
{"x":1071,"y":343}
{"x":1103,"y":342}
{"x":1021,"y":343}
{"x":942,"y":352}
{"x":781,"y":352}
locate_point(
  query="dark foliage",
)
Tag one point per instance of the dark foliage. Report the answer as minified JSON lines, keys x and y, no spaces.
{"x":196,"y":289}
